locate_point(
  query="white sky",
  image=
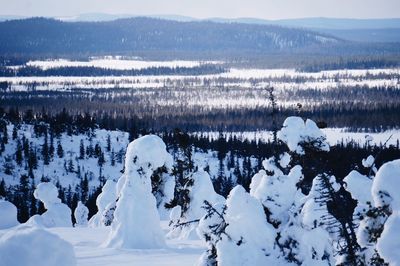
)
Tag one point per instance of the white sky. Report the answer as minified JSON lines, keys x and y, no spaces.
{"x":266,"y":9}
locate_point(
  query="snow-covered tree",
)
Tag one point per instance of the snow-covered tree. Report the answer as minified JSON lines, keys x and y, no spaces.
{"x":241,"y":234}
{"x":81,"y":214}
{"x":136,"y":221}
{"x":107,"y":196}
{"x":185,"y":218}
{"x":377,"y":231}
{"x":57,"y":214}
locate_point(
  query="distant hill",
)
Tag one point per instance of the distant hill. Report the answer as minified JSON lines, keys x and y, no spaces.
{"x":49,"y":36}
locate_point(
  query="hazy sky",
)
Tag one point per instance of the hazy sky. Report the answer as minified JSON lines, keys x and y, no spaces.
{"x":267,"y":9}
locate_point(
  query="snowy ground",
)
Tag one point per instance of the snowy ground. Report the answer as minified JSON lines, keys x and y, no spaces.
{"x":87,"y":245}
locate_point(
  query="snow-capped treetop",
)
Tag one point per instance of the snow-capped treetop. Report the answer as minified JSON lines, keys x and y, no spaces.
{"x":368,"y":162}
{"x":47,"y":193}
{"x":295,"y":131}
{"x":284,"y":160}
{"x":8,"y":214}
{"x":359,"y":186}
{"x":57,"y":214}
{"x":201,"y":190}
{"x":149,"y":151}
{"x":278,"y":192}
{"x":108,"y":194}
{"x":269,"y":165}
{"x":385,"y":186}
{"x":81,"y":214}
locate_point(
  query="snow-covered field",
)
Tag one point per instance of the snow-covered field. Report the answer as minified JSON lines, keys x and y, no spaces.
{"x":114,"y":63}
{"x":87,"y":245}
{"x":245,"y":78}
{"x":333,"y":135}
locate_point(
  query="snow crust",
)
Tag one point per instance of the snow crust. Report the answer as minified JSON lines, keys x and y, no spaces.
{"x":29,"y":246}
{"x":8,"y":214}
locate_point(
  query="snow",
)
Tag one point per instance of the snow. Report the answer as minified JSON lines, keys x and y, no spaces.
{"x":284,"y":160}
{"x":47,"y":193}
{"x":8,"y":214}
{"x":249,"y":238}
{"x":136,"y":223}
{"x":360,"y":188}
{"x":56,"y":171}
{"x":114,"y":63}
{"x":201,"y":190}
{"x":295,"y":132}
{"x":388,"y":245}
{"x":314,"y":211}
{"x":81,"y":214}
{"x":369,"y":161}
{"x":89,"y":251}
{"x":29,"y":246}
{"x":385,"y":185}
{"x":278,"y":192}
{"x":333,"y":135}
{"x":108,"y":195}
{"x":57,"y":214}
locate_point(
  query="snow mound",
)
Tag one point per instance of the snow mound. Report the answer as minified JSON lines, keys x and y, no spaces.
{"x":58,"y":214}
{"x":388,"y":244}
{"x":295,"y":131}
{"x":136,"y":223}
{"x":29,"y":246}
{"x":8,"y":214}
{"x":385,"y":186}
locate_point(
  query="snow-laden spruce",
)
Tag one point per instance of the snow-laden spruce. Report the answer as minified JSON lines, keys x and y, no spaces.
{"x":8,"y":215}
{"x":295,"y":131}
{"x":277,"y":192}
{"x":246,"y":237}
{"x":81,"y":214}
{"x":136,"y":221}
{"x":57,"y":213}
{"x":107,"y":196}
{"x":185,"y":221}
{"x":385,"y":192}
{"x":360,"y":188}
{"x":30,"y":246}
